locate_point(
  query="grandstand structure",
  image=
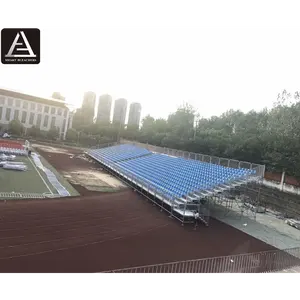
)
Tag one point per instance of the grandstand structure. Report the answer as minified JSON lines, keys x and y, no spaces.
{"x":179,"y":182}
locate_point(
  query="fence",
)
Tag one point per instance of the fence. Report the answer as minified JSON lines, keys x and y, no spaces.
{"x":231,"y":163}
{"x":260,"y":262}
{"x":6,"y":195}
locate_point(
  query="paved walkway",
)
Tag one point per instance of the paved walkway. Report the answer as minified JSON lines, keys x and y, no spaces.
{"x":291,"y":270}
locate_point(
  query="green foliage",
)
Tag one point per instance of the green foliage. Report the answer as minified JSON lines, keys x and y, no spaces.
{"x":72,"y":135}
{"x":15,"y":127}
{"x":53,"y":133}
{"x":34,"y":132}
{"x":270,"y":137}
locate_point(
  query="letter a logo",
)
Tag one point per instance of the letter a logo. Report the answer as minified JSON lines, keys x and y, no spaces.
{"x":17,"y":43}
{"x":20,"y":46}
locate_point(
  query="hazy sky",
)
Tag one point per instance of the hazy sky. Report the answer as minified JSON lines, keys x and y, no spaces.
{"x":212,"y":68}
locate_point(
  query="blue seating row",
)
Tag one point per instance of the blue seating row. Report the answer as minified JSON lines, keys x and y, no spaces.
{"x":170,"y":176}
{"x":119,"y":152}
{"x":180,"y":177}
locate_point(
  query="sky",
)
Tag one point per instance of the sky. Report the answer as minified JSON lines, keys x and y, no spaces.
{"x":214,"y":68}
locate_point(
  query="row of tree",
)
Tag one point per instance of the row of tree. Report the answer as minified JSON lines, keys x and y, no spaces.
{"x":270,"y":136}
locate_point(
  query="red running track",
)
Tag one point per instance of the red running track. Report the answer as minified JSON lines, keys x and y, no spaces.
{"x":103,"y":232}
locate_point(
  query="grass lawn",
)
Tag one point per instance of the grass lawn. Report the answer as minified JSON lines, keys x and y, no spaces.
{"x":33,"y":180}
{"x":22,"y":181}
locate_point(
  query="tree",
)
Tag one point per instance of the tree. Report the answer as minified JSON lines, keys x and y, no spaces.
{"x":15,"y":127}
{"x":72,"y":135}
{"x":34,"y":132}
{"x":53,"y":133}
{"x":270,"y":137}
{"x":57,"y":95}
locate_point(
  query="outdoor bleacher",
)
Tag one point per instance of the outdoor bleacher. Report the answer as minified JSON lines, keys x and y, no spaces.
{"x":11,"y":147}
{"x":119,"y":153}
{"x":174,"y":180}
{"x":180,"y":177}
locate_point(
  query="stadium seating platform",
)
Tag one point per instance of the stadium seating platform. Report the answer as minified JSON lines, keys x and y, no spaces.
{"x":175,"y":179}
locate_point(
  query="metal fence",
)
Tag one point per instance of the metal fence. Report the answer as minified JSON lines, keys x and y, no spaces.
{"x":5,"y":195}
{"x":260,"y":262}
{"x":231,"y":163}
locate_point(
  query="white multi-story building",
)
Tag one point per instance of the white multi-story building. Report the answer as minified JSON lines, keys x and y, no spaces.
{"x":44,"y":113}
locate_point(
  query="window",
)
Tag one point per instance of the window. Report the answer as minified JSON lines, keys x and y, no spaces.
{"x":10,"y":102}
{"x":7,"y":115}
{"x":65,"y":112}
{"x":16,"y":114}
{"x":39,"y":107}
{"x":39,"y":121}
{"x":2,"y":101}
{"x":24,"y":116}
{"x":53,"y":119}
{"x":46,"y":109}
{"x":31,"y":118}
{"x":32,"y":106}
{"x":59,"y":112}
{"x":18,"y":103}
{"x":25,"y":104}
{"x":46,"y":120}
{"x":1,"y":109}
{"x":53,"y":110}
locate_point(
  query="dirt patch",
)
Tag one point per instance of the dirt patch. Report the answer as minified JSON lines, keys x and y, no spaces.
{"x":94,"y":180}
{"x":82,"y":172}
{"x":51,"y":149}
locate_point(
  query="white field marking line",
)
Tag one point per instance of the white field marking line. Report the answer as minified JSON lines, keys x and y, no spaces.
{"x":16,"y":213}
{"x":41,"y":176}
{"x":69,"y":238}
{"x":53,"y":225}
{"x":63,"y":216}
{"x":83,"y":245}
{"x":62,"y":224}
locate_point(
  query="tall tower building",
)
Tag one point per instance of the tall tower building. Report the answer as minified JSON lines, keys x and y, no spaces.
{"x":88,"y":107}
{"x":89,"y":100}
{"x":120,"y":111}
{"x":134,"y":114}
{"x":104,"y":109}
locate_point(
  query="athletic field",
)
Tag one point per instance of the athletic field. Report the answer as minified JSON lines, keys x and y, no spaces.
{"x":34,"y":180}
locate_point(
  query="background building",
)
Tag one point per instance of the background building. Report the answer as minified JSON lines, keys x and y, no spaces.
{"x":43,"y":113}
{"x":134,"y":117}
{"x":104,"y":109}
{"x":88,"y":108}
{"x":120,"y":111}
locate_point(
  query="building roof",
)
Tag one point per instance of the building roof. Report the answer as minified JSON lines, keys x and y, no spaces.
{"x":23,"y":96}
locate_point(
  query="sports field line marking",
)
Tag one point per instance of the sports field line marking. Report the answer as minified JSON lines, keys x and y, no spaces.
{"x":83,"y":245}
{"x":41,"y":176}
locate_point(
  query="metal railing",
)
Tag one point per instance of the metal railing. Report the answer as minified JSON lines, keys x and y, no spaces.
{"x":11,"y":195}
{"x":260,"y":262}
{"x":226,"y":162}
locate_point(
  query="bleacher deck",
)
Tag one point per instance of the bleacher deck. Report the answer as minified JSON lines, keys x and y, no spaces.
{"x":174,"y":180}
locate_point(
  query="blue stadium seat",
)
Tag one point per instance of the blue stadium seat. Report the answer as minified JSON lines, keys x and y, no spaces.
{"x":170,"y":176}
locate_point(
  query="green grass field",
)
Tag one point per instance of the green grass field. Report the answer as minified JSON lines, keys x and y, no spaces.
{"x":22,"y":181}
{"x":33,"y":180}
